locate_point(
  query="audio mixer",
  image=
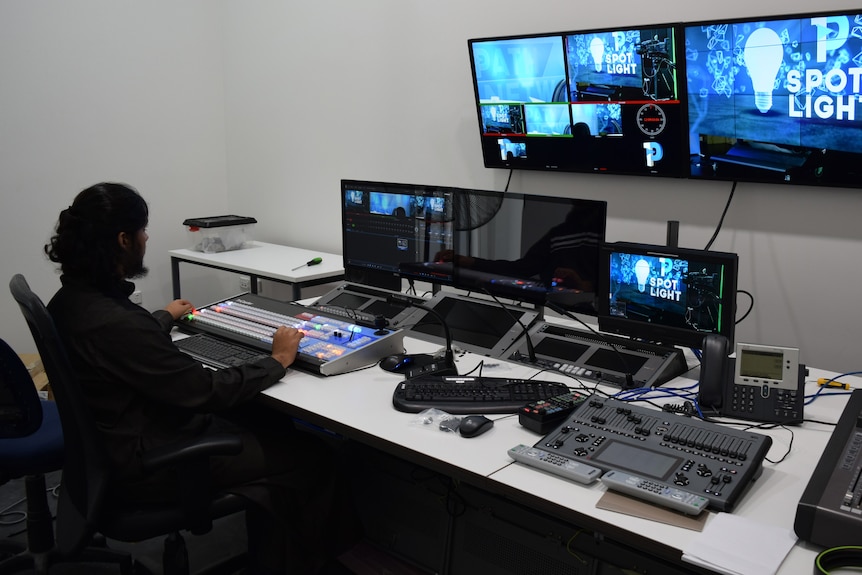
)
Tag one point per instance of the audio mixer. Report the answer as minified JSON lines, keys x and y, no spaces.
{"x":675,"y":452}
{"x":330,"y":345}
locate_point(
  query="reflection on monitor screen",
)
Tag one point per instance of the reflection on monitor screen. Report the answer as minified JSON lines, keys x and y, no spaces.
{"x":529,"y":248}
{"x":776,"y":99}
{"x":671,"y":296}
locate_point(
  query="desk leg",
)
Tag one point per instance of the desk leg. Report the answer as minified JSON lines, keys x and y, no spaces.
{"x":297,"y":292}
{"x":253,"y":281}
{"x":175,"y":277}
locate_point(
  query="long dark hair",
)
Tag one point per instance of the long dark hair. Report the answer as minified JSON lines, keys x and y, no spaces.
{"x":85,"y":243}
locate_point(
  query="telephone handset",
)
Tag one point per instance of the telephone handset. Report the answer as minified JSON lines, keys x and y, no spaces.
{"x":762,"y":383}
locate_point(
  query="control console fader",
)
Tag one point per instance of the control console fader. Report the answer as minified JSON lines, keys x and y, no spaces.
{"x":668,"y":449}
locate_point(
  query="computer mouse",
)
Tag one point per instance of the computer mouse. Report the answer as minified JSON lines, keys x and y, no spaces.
{"x":474,"y":425}
{"x":396,"y":363}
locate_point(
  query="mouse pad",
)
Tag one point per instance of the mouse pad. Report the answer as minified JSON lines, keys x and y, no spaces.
{"x":613,"y":501}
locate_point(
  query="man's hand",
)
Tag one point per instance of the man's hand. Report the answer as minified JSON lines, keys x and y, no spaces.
{"x":179,"y":308}
{"x":285,"y":343}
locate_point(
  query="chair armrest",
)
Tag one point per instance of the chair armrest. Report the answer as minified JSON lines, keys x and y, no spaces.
{"x":183,"y":452}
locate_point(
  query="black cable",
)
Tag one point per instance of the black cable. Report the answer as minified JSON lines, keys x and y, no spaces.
{"x":509,"y":180}
{"x":721,"y":220}
{"x":750,"y":307}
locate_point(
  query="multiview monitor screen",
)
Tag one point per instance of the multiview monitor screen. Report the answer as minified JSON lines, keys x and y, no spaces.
{"x":776,"y":99}
{"x":671,"y":296}
{"x":592,"y":101}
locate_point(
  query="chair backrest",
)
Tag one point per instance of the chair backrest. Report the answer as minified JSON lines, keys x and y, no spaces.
{"x":86,"y":473}
{"x":20,"y":406}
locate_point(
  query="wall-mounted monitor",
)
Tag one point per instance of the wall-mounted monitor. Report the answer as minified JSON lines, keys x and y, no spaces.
{"x":776,"y":99}
{"x":606,"y":101}
{"x":670,"y":296}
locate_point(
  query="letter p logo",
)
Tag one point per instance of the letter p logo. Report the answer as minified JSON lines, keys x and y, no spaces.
{"x":654,"y":153}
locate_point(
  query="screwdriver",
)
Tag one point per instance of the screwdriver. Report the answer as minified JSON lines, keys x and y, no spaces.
{"x":311,"y":262}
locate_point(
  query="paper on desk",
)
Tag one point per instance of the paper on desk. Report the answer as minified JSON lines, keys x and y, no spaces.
{"x":739,"y":546}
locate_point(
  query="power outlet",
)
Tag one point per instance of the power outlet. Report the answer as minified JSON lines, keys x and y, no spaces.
{"x":245,"y":283}
{"x":137,"y":297}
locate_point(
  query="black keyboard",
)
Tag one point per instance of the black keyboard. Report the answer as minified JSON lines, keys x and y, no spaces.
{"x":217,"y":352}
{"x":466,"y":394}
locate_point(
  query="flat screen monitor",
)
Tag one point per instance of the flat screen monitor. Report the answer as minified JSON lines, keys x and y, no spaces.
{"x":776,"y":99}
{"x":391,"y":230}
{"x":590,"y":101}
{"x":528,"y":248}
{"x":669,"y":296}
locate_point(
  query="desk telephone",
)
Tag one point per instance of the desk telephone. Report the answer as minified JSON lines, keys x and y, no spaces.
{"x":762,"y":383}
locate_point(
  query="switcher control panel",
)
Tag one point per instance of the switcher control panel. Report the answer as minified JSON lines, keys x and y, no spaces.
{"x":330,"y":344}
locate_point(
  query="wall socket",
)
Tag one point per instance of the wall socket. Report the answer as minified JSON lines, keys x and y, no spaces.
{"x":245,"y":283}
{"x":137,"y":297}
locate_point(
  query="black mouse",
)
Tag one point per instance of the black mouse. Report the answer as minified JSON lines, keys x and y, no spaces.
{"x":474,"y":425}
{"x":397,"y":363}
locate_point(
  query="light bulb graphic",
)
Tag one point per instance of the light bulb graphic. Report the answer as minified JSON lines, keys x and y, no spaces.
{"x":642,"y":273}
{"x":763,"y":55}
{"x":597,"y":49}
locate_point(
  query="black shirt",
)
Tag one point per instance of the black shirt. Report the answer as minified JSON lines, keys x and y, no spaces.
{"x":142,"y":390}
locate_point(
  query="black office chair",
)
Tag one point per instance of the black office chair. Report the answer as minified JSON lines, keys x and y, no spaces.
{"x":84,"y":506}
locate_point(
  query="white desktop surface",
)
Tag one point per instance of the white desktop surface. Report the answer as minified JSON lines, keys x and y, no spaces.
{"x":270,"y":261}
{"x":359,"y":405}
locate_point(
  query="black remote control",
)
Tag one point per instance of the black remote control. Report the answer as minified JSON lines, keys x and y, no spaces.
{"x":544,"y":415}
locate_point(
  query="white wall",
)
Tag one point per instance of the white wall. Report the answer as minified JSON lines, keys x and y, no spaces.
{"x":97,"y":90}
{"x":260,"y":107}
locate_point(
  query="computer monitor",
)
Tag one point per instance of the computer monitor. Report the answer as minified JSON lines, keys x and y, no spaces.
{"x":392,"y":231}
{"x":776,"y":99}
{"x":603,"y":100}
{"x":670,"y":296}
{"x":529,"y":248}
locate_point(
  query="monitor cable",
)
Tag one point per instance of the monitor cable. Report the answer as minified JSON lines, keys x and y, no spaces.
{"x":721,"y":220}
{"x":531,"y":351}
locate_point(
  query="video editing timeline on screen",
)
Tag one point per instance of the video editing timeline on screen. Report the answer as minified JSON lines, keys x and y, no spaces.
{"x":670,"y":450}
{"x":331,"y":344}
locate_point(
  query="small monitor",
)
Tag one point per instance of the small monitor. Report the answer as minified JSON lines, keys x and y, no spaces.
{"x":669,"y":296}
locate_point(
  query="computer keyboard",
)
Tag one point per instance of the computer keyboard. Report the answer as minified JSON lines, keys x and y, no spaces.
{"x":467,"y":394}
{"x":217,"y":352}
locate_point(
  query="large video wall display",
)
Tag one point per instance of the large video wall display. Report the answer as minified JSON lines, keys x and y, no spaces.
{"x":776,"y":99}
{"x":769,"y":99}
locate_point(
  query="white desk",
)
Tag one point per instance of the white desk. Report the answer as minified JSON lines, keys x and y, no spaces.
{"x":358,"y":405}
{"x":261,"y":260}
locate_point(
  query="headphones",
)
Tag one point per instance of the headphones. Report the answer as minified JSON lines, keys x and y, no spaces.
{"x":844,"y":556}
